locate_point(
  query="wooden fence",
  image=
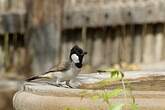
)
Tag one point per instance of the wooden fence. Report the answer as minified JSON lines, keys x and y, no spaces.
{"x":14,"y":56}
{"x":112,"y":31}
{"x":112,"y":45}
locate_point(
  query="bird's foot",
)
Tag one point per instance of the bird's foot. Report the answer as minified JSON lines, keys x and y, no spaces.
{"x":54,"y":84}
{"x":69,"y":86}
{"x":66,"y":86}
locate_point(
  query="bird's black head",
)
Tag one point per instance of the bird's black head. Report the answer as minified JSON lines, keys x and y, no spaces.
{"x":76,"y":55}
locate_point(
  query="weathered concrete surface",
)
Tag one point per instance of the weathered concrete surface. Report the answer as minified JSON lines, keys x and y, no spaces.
{"x":7,"y":90}
{"x":60,"y":98}
{"x":30,"y":101}
{"x":41,"y":96}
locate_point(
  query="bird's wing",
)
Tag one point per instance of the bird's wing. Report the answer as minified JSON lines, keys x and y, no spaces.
{"x":61,"y":67}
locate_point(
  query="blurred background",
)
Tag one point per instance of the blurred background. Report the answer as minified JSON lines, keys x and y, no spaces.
{"x":37,"y":34}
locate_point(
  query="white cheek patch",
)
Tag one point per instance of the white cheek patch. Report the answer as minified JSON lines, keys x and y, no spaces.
{"x":75,"y":58}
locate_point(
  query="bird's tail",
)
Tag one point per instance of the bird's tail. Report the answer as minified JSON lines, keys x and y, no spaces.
{"x":47,"y":75}
{"x":33,"y":78}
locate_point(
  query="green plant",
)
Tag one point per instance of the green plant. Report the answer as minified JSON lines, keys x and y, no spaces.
{"x":107,"y":96}
{"x":116,"y":107}
{"x":114,"y":73}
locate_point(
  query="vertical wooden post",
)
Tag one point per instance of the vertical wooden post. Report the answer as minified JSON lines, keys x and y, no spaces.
{"x":84,"y":36}
{"x":6,"y":47}
{"x":163,"y":42}
{"x":159,"y":42}
{"x":108,"y":47}
{"x":45,"y":29}
{"x":89,"y":45}
{"x":149,"y":45}
{"x":97,"y":58}
{"x":3,"y":5}
{"x":63,"y":51}
{"x":2,"y":56}
{"x":137,"y":47}
{"x":126,"y":44}
{"x":116,"y":37}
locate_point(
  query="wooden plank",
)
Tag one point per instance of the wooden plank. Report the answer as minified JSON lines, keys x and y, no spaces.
{"x":116,"y":38}
{"x":12,"y":22}
{"x":126,"y":44}
{"x":149,"y":45}
{"x":3,"y":5}
{"x":12,"y":16}
{"x":163,"y":41}
{"x":68,"y":40}
{"x":66,"y":45}
{"x":108,"y":47}
{"x":103,"y":13}
{"x":90,"y":45}
{"x":45,"y":27}
{"x":137,"y":47}
{"x":1,"y":58}
{"x":97,"y":58}
{"x":159,"y":35}
{"x":17,"y":4}
{"x":113,"y":13}
{"x":1,"y":26}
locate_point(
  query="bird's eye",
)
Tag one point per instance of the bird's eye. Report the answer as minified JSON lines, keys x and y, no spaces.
{"x":79,"y":52}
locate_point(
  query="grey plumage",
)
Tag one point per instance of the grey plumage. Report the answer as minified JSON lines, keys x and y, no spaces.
{"x":66,"y":71}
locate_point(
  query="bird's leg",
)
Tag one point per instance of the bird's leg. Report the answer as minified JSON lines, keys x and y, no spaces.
{"x":56,"y":83}
{"x":68,"y":84}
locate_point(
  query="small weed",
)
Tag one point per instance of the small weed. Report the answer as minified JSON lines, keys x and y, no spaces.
{"x":107,"y":95}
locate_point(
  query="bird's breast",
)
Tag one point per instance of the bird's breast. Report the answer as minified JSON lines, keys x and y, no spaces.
{"x":70,"y":74}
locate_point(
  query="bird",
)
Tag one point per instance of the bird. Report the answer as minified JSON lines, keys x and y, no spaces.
{"x":65,"y":71}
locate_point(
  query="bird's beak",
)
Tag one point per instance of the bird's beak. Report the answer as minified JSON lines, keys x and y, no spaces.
{"x":85,"y":53}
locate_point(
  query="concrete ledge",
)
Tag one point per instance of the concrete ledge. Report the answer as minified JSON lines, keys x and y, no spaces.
{"x":7,"y":91}
{"x":44,"y":97}
{"x":41,"y":96}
